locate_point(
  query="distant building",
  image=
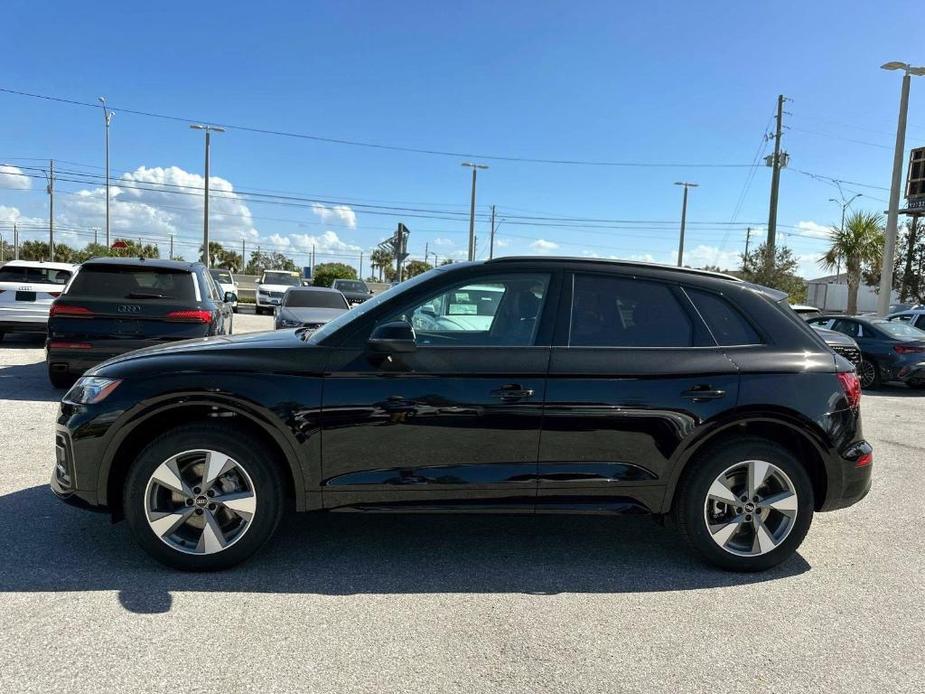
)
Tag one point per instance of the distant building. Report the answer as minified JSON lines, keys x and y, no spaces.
{"x":830,"y":293}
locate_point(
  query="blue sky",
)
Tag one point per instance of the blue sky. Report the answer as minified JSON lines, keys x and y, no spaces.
{"x":643,"y":83}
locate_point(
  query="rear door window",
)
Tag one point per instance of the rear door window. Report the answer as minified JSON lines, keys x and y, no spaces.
{"x":848,"y":327}
{"x":625,"y":312}
{"x":728,"y":325}
{"x":34,"y":275}
{"x":131,"y":282}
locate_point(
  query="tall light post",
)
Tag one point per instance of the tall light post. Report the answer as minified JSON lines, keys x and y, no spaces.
{"x":208,"y":129}
{"x":889,"y":246}
{"x":844,"y":206}
{"x":475,"y":168}
{"x":683,"y":219}
{"x":107,"y":119}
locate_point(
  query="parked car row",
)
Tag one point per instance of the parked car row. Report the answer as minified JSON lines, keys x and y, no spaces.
{"x":517,"y":385}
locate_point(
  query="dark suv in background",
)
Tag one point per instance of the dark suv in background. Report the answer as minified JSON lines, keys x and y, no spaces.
{"x":519,"y":385}
{"x":116,"y":305}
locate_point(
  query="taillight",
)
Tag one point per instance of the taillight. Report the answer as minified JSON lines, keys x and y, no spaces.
{"x":851,"y":384}
{"x":69,"y":345}
{"x":193,"y":316}
{"x":864,"y":460}
{"x":908,"y":349}
{"x":70,"y":311}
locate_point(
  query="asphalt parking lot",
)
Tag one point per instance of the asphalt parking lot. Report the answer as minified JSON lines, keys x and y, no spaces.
{"x":447,"y":604}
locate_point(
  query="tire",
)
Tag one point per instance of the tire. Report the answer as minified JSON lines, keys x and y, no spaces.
{"x":747,"y":548}
{"x":190,"y":536}
{"x":60,"y":379}
{"x":234,"y":309}
{"x":869,"y":374}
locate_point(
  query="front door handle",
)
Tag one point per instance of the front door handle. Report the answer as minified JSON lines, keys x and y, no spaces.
{"x":704,"y":393}
{"x":511,"y":392}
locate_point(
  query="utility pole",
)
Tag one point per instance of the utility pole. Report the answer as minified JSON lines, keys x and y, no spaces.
{"x":313,"y":262}
{"x":775,"y":180}
{"x":426,"y":252}
{"x":243,"y":254}
{"x":96,"y":236}
{"x":360,"y":271}
{"x":475,"y":168}
{"x":107,"y":119}
{"x":209,"y":129}
{"x":686,"y":185}
{"x":889,"y":246}
{"x":171,"y":246}
{"x":15,"y":242}
{"x":491,"y":242}
{"x":51,"y":210}
{"x":748,"y":236}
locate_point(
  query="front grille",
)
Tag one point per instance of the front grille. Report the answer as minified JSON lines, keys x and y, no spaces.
{"x":64,"y":466}
{"x":849,"y":352}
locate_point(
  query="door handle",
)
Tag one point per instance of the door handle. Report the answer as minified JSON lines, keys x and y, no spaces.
{"x":703,"y":393}
{"x":512,"y":392}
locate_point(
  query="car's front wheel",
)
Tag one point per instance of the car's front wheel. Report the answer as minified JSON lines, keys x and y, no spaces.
{"x":203,"y":497}
{"x":745,"y":505}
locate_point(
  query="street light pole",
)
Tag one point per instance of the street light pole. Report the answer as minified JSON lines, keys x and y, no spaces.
{"x":208,"y":129}
{"x":889,"y":246}
{"x":683,"y":219}
{"x":107,"y":119}
{"x":475,"y":168}
{"x":844,"y":206}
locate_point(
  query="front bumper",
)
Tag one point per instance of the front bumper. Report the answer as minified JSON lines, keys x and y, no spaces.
{"x":65,"y":484}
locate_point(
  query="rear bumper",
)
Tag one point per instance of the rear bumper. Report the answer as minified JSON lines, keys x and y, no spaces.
{"x":33,"y":324}
{"x":856,"y":465}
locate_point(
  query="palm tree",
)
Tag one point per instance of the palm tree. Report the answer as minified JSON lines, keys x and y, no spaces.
{"x":380,"y":259}
{"x":860,"y":243}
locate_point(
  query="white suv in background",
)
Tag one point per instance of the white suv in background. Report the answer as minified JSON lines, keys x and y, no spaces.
{"x":27,"y":289}
{"x":227,"y":282}
{"x":271,"y":287}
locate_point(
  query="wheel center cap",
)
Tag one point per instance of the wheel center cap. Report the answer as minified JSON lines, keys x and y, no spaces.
{"x":201,"y":501}
{"x":749,"y":506}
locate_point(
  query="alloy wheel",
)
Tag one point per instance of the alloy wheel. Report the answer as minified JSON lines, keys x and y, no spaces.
{"x":868,"y":373}
{"x":750,"y":508}
{"x":200,"y":501}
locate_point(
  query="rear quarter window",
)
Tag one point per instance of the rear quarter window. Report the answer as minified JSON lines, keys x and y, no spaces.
{"x":726,"y":322}
{"x":122,"y":282}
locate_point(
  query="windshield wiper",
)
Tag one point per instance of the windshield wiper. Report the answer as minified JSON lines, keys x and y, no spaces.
{"x":147,"y":295}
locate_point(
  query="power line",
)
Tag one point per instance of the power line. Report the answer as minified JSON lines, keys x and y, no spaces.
{"x":373,"y":145}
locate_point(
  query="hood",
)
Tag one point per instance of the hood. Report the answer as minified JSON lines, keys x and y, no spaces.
{"x":310,"y":314}
{"x":218,"y":343}
{"x":833,"y":337}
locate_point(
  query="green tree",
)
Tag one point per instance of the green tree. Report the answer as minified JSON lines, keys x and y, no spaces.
{"x":221,"y":257}
{"x":777,"y":270}
{"x":38,"y":250}
{"x":860,"y":244}
{"x":261,"y":260}
{"x":910,"y":263}
{"x":413,"y":268}
{"x":93,"y":250}
{"x":325,"y":273}
{"x":381,"y":260}
{"x":134,"y":249}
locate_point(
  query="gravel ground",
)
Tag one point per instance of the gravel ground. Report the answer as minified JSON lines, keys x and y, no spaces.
{"x":456,"y":604}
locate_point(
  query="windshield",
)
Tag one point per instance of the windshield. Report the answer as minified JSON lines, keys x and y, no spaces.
{"x":314,"y":298}
{"x":351,"y":286}
{"x":132,"y":282}
{"x":361,"y":310}
{"x":34,"y":275}
{"x":285,"y":278}
{"x":904,"y":330}
{"x":222,"y":276}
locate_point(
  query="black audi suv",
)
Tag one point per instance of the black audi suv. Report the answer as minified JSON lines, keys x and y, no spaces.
{"x":518,"y":385}
{"x":116,"y":305}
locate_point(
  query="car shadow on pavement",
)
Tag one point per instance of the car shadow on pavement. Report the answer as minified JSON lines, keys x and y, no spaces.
{"x":67,"y":549}
{"x":27,"y":382}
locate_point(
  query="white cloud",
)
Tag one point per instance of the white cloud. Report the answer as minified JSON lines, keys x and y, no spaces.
{"x":544,"y":246}
{"x":815,"y":230}
{"x":342,"y":213}
{"x":324,"y":243}
{"x":447,"y":242}
{"x":12,"y":177}
{"x":502,"y":243}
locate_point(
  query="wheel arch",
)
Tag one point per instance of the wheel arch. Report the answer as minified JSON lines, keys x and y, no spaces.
{"x":144,"y":427}
{"x":801,"y":439}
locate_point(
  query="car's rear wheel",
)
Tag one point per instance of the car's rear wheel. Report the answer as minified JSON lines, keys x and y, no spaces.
{"x":745,"y":505}
{"x":203,"y":497}
{"x":869,"y":374}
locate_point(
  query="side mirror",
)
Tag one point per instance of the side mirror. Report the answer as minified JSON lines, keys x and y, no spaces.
{"x":306,"y":283}
{"x":230,"y":297}
{"x":392,"y":338}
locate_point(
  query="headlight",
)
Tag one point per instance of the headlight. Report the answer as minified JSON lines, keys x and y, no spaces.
{"x":90,"y":390}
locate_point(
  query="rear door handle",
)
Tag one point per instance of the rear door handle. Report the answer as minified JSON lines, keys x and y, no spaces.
{"x":512,"y":392}
{"x":703,"y":393}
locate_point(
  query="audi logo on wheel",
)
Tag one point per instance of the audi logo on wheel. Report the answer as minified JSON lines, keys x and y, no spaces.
{"x":129,"y":308}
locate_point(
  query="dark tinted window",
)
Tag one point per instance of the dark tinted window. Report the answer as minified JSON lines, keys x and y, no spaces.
{"x":728,"y":326}
{"x":35,"y":275}
{"x":286,"y":278}
{"x":351,"y":286}
{"x":622,"y":312}
{"x":313,"y":298}
{"x":222,"y":276}
{"x":848,"y":327}
{"x":128,"y":282}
